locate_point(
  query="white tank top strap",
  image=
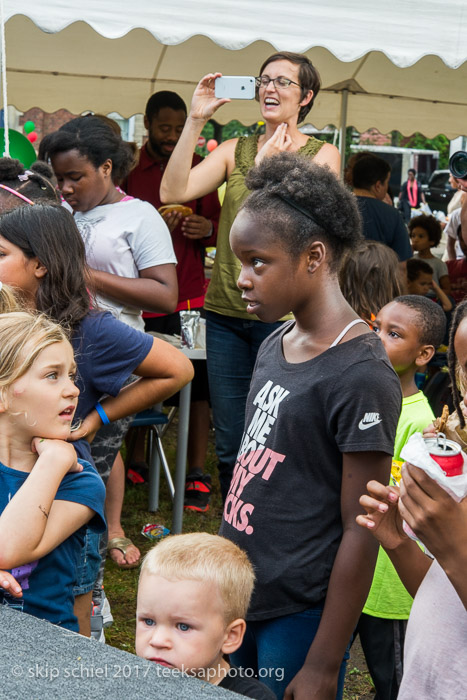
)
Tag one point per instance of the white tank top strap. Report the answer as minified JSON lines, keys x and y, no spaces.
{"x":347,"y":329}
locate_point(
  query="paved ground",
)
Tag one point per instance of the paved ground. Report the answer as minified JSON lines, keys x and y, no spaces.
{"x":41,"y":661}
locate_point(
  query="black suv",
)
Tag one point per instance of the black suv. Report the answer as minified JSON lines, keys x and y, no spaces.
{"x":438,"y":193}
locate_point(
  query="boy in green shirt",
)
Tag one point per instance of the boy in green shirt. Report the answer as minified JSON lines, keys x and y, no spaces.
{"x":411,"y":328}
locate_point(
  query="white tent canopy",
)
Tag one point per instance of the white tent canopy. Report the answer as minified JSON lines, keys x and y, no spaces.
{"x":394,"y":65}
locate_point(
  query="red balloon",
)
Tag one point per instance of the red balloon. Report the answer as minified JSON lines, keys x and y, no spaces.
{"x":211,"y":145}
{"x":32,"y":136}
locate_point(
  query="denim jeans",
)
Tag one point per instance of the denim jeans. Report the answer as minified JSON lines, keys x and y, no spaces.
{"x":89,"y":563}
{"x":232,"y":345}
{"x":276,"y":649}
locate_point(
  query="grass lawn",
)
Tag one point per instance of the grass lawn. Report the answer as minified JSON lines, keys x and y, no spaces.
{"x":121,"y":585}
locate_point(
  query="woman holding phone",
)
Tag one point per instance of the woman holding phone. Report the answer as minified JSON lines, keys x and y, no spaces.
{"x":286,"y":88}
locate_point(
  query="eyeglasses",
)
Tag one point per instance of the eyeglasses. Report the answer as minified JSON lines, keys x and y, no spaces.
{"x":280,"y":83}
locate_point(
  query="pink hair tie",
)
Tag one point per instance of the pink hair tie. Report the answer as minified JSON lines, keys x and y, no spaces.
{"x":16,"y":193}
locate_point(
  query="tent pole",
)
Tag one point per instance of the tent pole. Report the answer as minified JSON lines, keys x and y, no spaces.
{"x":343,"y":127}
{"x":6,"y":132}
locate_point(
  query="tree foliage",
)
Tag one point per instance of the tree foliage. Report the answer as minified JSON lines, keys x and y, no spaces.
{"x":232,"y":130}
{"x":439,"y":143}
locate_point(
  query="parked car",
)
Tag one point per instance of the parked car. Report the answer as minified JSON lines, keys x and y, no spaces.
{"x":438,"y":192}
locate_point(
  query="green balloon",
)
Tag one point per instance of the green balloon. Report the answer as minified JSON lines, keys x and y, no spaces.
{"x":28,"y":127}
{"x":20,"y":147}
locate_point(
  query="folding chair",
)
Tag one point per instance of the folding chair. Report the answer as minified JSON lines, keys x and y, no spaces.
{"x":157,"y":422}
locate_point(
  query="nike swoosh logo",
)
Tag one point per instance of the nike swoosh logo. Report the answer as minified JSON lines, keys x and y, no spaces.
{"x":365,"y":426}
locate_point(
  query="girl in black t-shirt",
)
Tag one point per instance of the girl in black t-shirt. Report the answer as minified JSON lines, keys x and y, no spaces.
{"x":315,"y":429}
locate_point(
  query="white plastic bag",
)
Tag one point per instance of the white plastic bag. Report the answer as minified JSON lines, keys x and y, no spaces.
{"x":425,"y":209}
{"x":416,"y":452}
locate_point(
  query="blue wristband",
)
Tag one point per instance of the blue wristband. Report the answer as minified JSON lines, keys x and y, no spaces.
{"x":103,"y":415}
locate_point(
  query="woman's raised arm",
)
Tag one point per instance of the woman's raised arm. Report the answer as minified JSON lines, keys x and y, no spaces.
{"x":181,"y":183}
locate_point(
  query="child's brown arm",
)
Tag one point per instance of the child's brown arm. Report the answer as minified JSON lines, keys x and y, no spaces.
{"x":439,"y":521}
{"x":164,"y":371}
{"x":445,"y":284}
{"x":446,"y":303}
{"x":349,"y":584}
{"x":156,"y":288}
{"x":384,"y":521}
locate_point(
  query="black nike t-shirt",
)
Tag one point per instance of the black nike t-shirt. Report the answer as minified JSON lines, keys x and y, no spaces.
{"x":283,"y":507}
{"x":240,"y":681}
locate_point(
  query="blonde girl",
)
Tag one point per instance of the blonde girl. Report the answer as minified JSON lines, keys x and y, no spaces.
{"x":46,"y":494}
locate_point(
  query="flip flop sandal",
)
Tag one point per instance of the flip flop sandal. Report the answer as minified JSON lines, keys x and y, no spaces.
{"x":122,"y":543}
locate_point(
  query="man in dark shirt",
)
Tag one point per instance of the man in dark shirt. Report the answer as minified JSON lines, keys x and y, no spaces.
{"x":164,"y":119}
{"x":381,"y":222}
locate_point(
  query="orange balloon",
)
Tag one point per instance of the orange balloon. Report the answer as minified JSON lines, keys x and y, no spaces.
{"x":211,"y":145}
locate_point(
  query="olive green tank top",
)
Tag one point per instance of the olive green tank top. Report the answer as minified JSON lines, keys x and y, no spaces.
{"x":223,"y":296}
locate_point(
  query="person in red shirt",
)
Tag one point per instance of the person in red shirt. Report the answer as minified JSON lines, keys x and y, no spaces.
{"x":164,"y":119}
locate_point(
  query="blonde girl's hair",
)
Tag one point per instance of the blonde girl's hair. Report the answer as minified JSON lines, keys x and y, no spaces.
{"x":369,"y":278}
{"x":23,"y":336}
{"x":199,"y":556}
{"x":8,"y":299}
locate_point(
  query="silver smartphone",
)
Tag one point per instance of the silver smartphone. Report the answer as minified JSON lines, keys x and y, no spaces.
{"x":236,"y":87}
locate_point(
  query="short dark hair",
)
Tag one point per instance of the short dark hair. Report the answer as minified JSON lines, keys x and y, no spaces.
{"x":300,"y":202}
{"x":369,"y":169}
{"x":431,"y":319}
{"x":430,"y":225}
{"x":161,"y":99}
{"x":308,"y":76}
{"x":93,"y":139}
{"x":415,"y":267}
{"x":412,"y":170}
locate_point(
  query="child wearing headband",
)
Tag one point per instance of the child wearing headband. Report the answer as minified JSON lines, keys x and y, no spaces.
{"x":315,"y":429}
{"x":30,"y":186}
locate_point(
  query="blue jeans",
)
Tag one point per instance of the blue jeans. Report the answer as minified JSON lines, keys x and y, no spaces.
{"x":232,"y":345}
{"x":276,"y":649}
{"x":88,"y":566}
